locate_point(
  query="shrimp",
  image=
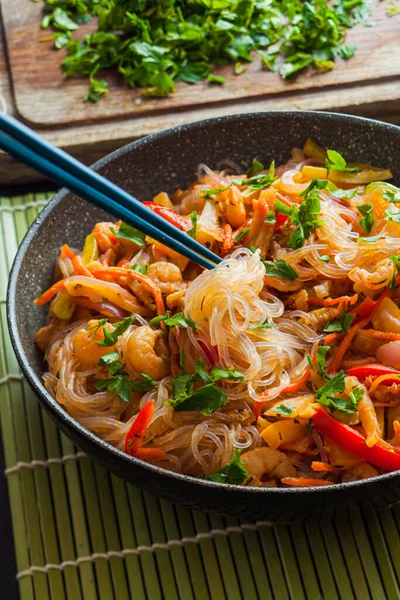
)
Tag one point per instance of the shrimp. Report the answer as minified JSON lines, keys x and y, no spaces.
{"x":378,"y":275}
{"x":167,"y":276}
{"x":235,"y":209}
{"x":361,"y":471}
{"x":265,"y":461}
{"x":105,"y":238}
{"x":85,"y":346}
{"x":146,"y":352}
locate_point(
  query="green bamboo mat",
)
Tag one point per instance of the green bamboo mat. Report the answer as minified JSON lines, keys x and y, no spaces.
{"x":83,"y":534}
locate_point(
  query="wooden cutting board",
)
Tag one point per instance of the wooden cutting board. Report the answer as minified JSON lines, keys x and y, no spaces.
{"x":46,"y":98}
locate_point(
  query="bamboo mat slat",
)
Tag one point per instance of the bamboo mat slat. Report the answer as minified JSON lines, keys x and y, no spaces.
{"x":81,"y":533}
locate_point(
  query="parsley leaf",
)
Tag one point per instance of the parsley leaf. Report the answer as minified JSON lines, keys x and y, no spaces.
{"x":336,"y":162}
{"x":256,"y":167}
{"x":118,"y":383}
{"x":214,"y":192}
{"x":111,"y":337}
{"x":193,"y":231}
{"x":265,"y":325}
{"x":306,"y":218}
{"x":320,"y":360}
{"x":367,"y":220}
{"x":337,"y":384}
{"x":396,"y":263}
{"x":284,"y":409}
{"x":139,"y":269}
{"x":260,"y":181}
{"x":234,"y":472}
{"x":392,"y":215}
{"x":178,"y":319}
{"x":280,"y":268}
{"x":127,"y":232}
{"x":391,"y":195}
{"x":324,"y":258}
{"x":370,"y":240}
{"x":341,"y":325}
{"x":206,"y":399}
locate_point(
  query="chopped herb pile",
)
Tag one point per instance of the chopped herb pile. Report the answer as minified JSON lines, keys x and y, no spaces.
{"x":154,"y":44}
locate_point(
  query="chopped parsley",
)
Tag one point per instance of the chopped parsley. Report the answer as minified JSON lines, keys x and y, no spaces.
{"x":193,"y":231}
{"x":255,"y":169}
{"x":320,"y":362}
{"x":127,"y":232}
{"x":117,"y":382}
{"x":391,"y":194}
{"x":336,"y":162}
{"x":392,"y":215}
{"x":336,"y":385}
{"x":111,"y":337}
{"x":139,"y":269}
{"x":233,"y":473}
{"x":280,"y":268}
{"x":265,"y":325}
{"x":305,"y":217}
{"x":214,"y":192}
{"x":370,"y":240}
{"x":154,"y":44}
{"x":284,"y":409}
{"x":205,"y":399}
{"x":324,"y":258}
{"x":260,"y":181}
{"x":367,"y":220}
{"x":340,"y":325}
{"x":176,"y":320}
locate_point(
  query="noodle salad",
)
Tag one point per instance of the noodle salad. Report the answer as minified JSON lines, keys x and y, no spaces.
{"x":281,"y":366}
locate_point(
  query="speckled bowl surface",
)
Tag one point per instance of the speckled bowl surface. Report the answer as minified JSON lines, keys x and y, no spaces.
{"x":164,"y":162}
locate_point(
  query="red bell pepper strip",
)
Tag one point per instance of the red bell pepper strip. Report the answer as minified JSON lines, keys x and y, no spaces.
{"x":169,"y":215}
{"x":134,"y":437}
{"x":280,"y":220}
{"x":375,"y":370}
{"x":381,"y":455}
{"x":365,"y":309}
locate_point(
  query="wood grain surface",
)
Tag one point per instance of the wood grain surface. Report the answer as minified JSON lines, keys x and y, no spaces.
{"x":46,"y":98}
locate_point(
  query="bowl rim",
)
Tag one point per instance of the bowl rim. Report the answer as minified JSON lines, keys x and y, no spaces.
{"x":63,"y":416}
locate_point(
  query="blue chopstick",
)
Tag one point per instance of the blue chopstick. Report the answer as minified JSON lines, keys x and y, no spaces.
{"x":64,"y":178}
{"x":63,"y":160}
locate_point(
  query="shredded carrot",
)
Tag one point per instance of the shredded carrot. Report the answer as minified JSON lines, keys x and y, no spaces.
{"x":228,"y":239}
{"x":295,"y":387}
{"x":116,"y":272}
{"x":79,"y":267}
{"x":381,"y":335}
{"x":345,"y":344}
{"x":316,"y":465}
{"x":331,"y":337}
{"x":314,"y":300}
{"x":292,"y":387}
{"x":50,"y":293}
{"x":379,"y":380}
{"x":66,"y":251}
{"x":304,"y":482}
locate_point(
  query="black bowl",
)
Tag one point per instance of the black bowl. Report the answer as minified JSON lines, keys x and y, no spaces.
{"x":166,"y":161}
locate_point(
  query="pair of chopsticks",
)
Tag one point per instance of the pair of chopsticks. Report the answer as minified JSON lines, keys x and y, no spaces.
{"x":26,"y":146}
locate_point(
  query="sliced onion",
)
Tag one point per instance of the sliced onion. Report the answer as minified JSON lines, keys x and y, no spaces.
{"x":289,"y":186}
